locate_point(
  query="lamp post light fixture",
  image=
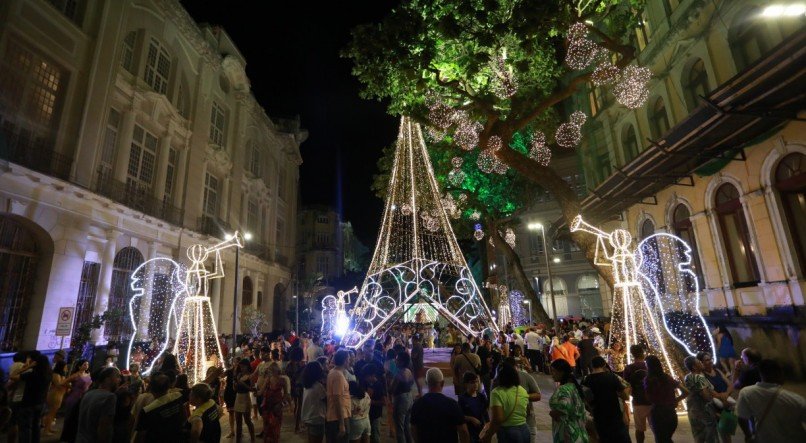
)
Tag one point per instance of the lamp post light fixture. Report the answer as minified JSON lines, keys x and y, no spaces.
{"x":539,"y":226}
{"x":246,"y":236}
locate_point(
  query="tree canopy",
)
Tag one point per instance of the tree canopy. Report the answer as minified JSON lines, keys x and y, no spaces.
{"x":490,"y":78}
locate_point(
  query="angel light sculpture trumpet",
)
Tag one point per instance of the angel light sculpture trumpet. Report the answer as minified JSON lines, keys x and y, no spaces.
{"x":656,"y":294}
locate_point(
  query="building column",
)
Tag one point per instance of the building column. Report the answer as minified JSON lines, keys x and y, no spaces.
{"x":148,"y":291}
{"x":105,"y":282}
{"x":162,"y":166}
{"x":124,"y":147}
{"x":223,"y":207}
{"x":243,"y":222}
{"x":179,"y":184}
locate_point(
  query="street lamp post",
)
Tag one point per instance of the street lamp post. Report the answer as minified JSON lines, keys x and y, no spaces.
{"x":535,"y":226}
{"x":246,"y":236}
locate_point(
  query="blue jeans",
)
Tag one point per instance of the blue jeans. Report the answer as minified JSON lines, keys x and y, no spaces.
{"x":403,"y":404}
{"x":514,"y":434}
{"x":28,"y":419}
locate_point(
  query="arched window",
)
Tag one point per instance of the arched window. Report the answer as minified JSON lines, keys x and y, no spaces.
{"x":127,"y":52}
{"x":790,"y":180}
{"x":658,"y":120}
{"x":736,"y":236}
{"x":158,"y":67}
{"x":647,"y":228}
{"x":629,"y":142}
{"x":246,"y":293}
{"x":695,"y":84}
{"x":681,"y":223}
{"x":746,"y":39}
{"x":120,"y":291}
{"x":19,"y":254}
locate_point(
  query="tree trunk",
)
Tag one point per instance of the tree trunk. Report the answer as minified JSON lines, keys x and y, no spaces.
{"x":516,"y":268}
{"x":548,"y":179}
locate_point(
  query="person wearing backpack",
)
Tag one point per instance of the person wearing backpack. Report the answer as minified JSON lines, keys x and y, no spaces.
{"x":769,"y":413}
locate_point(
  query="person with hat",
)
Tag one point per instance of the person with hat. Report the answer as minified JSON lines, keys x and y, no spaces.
{"x":436,"y":417}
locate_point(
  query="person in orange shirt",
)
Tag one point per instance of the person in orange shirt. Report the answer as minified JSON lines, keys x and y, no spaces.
{"x":566,"y":351}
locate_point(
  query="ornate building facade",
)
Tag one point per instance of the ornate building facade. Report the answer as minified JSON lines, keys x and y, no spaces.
{"x":128,"y":132}
{"x":717,"y":156}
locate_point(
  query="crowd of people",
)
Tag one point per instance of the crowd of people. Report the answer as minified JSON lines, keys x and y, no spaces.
{"x":337,"y":394}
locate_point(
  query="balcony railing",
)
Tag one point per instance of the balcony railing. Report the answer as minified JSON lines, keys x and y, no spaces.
{"x":137,"y":197}
{"x":213,"y":226}
{"x":257,"y":249}
{"x":34,"y":153}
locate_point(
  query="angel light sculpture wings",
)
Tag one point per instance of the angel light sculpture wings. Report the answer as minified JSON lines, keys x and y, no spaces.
{"x":186,"y":324}
{"x":655,"y":295}
{"x":154,"y":309}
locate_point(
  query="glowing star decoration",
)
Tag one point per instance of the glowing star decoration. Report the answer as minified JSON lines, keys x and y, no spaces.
{"x":416,"y":260}
{"x":196,"y":345}
{"x":334,"y":312}
{"x":159,"y":293}
{"x":475,"y":216}
{"x":509,"y":238}
{"x":504,"y":83}
{"x":665,"y":318}
{"x":581,"y":51}
{"x":631,"y":89}
{"x":605,"y":73}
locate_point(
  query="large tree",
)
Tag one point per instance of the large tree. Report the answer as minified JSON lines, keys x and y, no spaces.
{"x":480,"y":73}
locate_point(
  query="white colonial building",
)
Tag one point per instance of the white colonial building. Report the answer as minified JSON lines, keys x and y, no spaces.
{"x":128,"y":132}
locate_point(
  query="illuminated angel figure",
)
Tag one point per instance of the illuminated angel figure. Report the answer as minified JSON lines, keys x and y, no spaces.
{"x":197,"y":346}
{"x":334,"y":312}
{"x":154,"y":309}
{"x":653,"y":302}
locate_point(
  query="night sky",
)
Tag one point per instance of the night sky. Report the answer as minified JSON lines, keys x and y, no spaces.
{"x":292,"y":55}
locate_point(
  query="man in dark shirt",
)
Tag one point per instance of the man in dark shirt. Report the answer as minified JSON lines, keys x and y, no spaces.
{"x":97,"y":408}
{"x":635,"y":373}
{"x":162,"y":419}
{"x":746,"y":371}
{"x":586,"y":353}
{"x":435,"y":417}
{"x":608,"y":393}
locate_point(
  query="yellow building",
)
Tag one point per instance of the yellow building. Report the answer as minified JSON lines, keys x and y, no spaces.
{"x":717,"y":155}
